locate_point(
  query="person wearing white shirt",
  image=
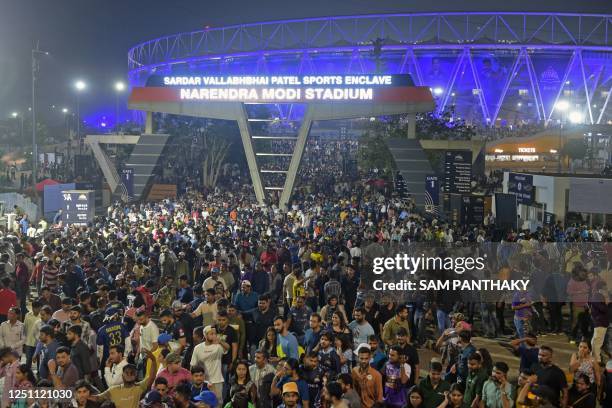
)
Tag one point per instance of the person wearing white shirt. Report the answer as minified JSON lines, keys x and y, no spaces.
{"x":11,"y":332}
{"x":114,"y":366}
{"x":149,"y":332}
{"x":208,"y":355}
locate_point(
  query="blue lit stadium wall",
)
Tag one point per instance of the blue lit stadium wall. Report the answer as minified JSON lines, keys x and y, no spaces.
{"x":493,"y":68}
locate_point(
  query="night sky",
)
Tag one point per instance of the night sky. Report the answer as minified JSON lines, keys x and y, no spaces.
{"x":89,"y":39}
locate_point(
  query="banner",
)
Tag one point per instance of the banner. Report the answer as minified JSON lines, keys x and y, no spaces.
{"x":521,"y":185}
{"x":458,"y":172}
{"x":473,"y":211}
{"x":432,"y":194}
{"x":127,"y":182}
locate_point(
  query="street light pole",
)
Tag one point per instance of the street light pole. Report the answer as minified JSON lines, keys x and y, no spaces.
{"x":35,"y":53}
{"x":119,"y":88}
{"x":80,"y":86}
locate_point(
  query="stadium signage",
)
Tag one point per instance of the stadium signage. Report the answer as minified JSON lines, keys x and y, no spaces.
{"x":282,"y":88}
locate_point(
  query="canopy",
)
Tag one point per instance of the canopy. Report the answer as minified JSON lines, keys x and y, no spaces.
{"x":40,"y":186}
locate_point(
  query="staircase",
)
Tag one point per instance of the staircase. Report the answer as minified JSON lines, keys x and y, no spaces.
{"x":413,"y":165}
{"x":143,"y":160}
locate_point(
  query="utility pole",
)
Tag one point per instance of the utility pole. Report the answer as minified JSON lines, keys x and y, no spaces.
{"x":35,"y":68}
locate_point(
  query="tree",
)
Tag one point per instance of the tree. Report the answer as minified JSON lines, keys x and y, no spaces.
{"x":373,"y":151}
{"x":575,"y":149}
{"x":215,"y":152}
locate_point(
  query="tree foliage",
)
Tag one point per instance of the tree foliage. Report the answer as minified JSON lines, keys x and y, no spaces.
{"x":575,"y":149}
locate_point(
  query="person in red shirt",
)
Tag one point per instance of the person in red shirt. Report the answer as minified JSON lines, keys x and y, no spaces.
{"x":145,"y":291}
{"x":268,"y":258}
{"x":8,"y":298}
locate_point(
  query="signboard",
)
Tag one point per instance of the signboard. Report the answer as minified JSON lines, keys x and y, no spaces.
{"x":432,"y":194}
{"x":505,"y":211}
{"x":127,"y":181}
{"x":282,"y":88}
{"x":521,"y":185}
{"x":458,"y":172}
{"x":549,"y":218}
{"x":473,"y":211}
{"x":78,"y":206}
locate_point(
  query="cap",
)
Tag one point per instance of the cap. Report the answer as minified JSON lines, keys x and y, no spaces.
{"x":290,"y":387}
{"x":246,"y":282}
{"x":207,"y":397}
{"x":360,"y":346}
{"x":164,"y":338}
{"x":177,"y":304}
{"x":215,"y":269}
{"x":173,"y":358}
{"x":153,"y":397}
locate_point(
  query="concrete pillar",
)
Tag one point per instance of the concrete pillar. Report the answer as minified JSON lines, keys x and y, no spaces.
{"x":411,"y":126}
{"x":149,"y":123}
{"x":296,"y":158}
{"x":249,"y":152}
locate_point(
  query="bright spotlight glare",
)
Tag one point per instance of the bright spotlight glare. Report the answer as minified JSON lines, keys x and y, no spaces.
{"x":14,"y":114}
{"x":438,"y":91}
{"x":80,"y":85}
{"x":562,"y":106}
{"x":575,"y":117}
{"x":119,"y":86}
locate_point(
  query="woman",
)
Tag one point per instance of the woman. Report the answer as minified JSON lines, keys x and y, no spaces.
{"x":339,"y":327}
{"x":487,"y":360}
{"x":454,"y":398}
{"x":24,"y":379}
{"x":345,"y":353}
{"x":241,"y":379}
{"x":268,"y":343}
{"x":580,"y":395}
{"x":331,"y":306}
{"x":583,"y":362}
{"x":415,"y":397}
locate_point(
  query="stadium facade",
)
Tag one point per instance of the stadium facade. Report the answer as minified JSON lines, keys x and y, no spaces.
{"x":494,"y":68}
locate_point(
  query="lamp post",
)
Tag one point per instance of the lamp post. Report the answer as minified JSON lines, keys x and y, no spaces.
{"x":119,"y":88}
{"x":17,"y":115}
{"x":561,"y":106}
{"x":80,"y":87}
{"x":35,"y":68}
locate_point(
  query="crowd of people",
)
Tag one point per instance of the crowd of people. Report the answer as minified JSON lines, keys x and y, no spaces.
{"x":212,"y":300}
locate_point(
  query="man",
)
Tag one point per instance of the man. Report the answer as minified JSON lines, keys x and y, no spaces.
{"x":263,"y":317}
{"x":185,"y":292}
{"x":261,"y":373}
{"x":528,"y":350}
{"x":113,"y":369}
{"x":47,"y":298}
{"x":287,"y":341}
{"x":368,"y":381}
{"x":411,"y":354}
{"x":79,"y":354}
{"x":74,"y":319}
{"x":185,"y":319}
{"x":112,"y":334}
{"x":167,"y":293}
{"x":173,"y":328}
{"x":82,"y":394}
{"x":497,"y":392}
{"x":198,"y":337}
{"x":209,"y":355}
{"x":475,"y":380}
{"x":207,"y":310}
{"x":434,"y":387}
{"x":214,"y":280}
{"x":396,"y":374}
{"x":288,"y":285}
{"x":8,"y":369}
{"x":348,"y":392}
{"x":297,"y":317}
{"x":291,"y":396}
{"x":392,"y":326}
{"x":360,"y":327}
{"x":8,"y":298}
{"x":551,"y":376}
{"x":227,"y":334}
{"x":314,"y":375}
{"x":237,"y":322}
{"x":459,"y":369}
{"x":63,"y":314}
{"x":22,"y":280}
{"x":312,"y":336}
{"x":149,"y":334}
{"x":11,"y":331}
{"x":333,"y":395}
{"x":48,"y":349}
{"x":174,"y":373}
{"x":198,"y":385}
{"x":31,"y":326}
{"x":127,"y":395}
{"x":246,"y":299}
{"x":328,"y":357}
{"x":63,"y":373}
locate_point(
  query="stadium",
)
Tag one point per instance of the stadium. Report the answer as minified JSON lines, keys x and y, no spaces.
{"x":495,"y":69}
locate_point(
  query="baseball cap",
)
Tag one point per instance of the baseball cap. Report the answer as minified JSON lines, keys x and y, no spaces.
{"x":207,"y":397}
{"x":291,"y":387}
{"x":246,"y":282}
{"x":362,"y":345}
{"x":177,"y":304}
{"x":164,"y":338}
{"x":153,"y":397}
{"x":111,"y":311}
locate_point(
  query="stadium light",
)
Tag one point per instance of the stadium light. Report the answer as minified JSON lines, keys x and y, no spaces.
{"x":80,"y":85}
{"x":576,"y":117}
{"x":64,"y":110}
{"x":438,"y":91}
{"x":519,"y":104}
{"x":119,"y":86}
{"x":553,"y":151}
{"x":562,"y":106}
{"x":14,"y":114}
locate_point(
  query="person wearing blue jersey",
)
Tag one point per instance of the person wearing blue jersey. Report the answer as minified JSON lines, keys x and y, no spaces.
{"x":112,"y":333}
